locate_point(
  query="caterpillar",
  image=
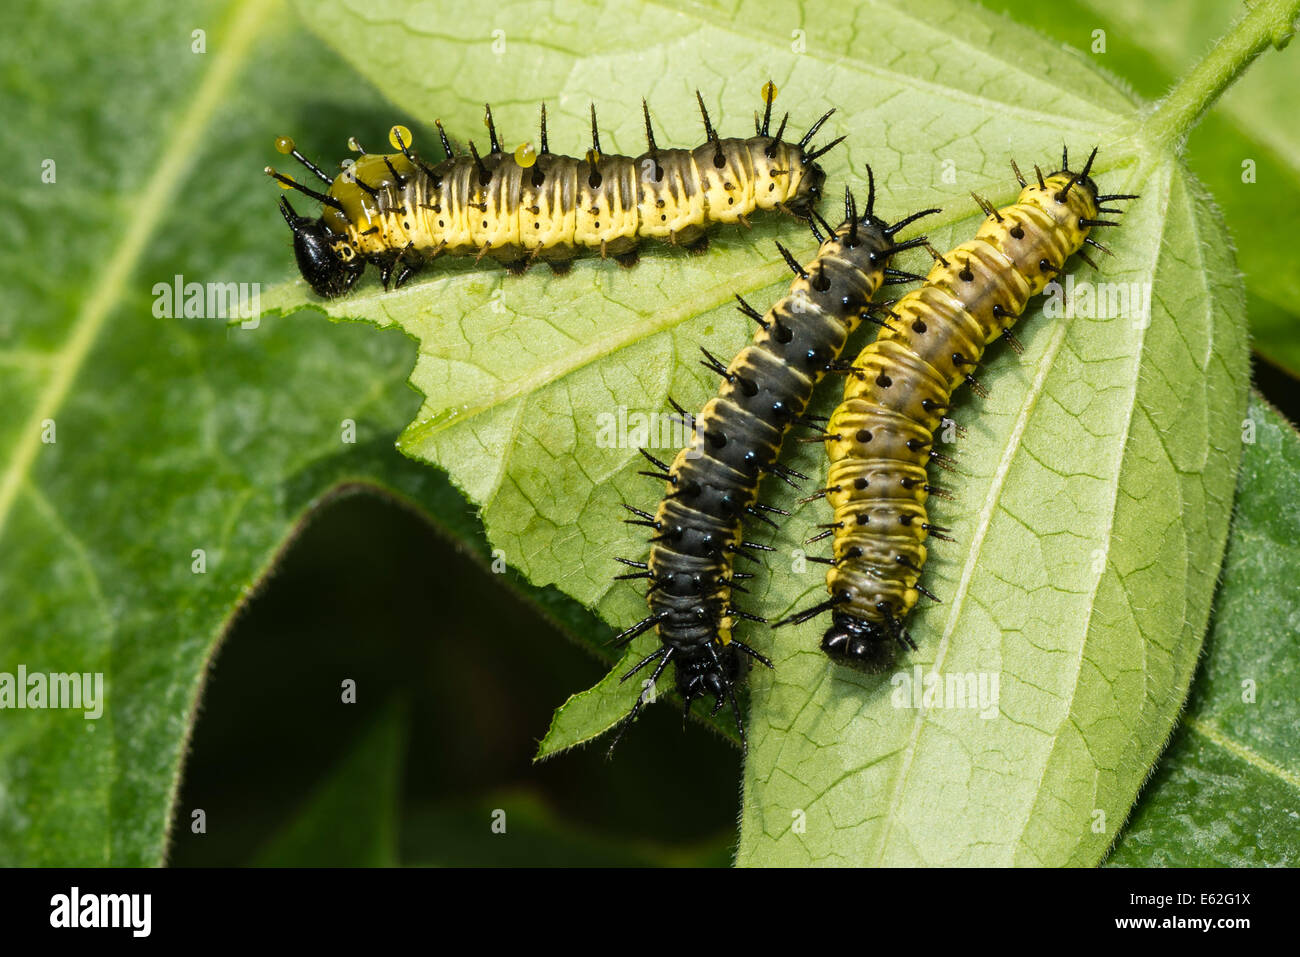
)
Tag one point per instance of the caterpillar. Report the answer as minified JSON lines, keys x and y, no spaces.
{"x":881,"y":438}
{"x":398,"y":212}
{"x":712,"y":484}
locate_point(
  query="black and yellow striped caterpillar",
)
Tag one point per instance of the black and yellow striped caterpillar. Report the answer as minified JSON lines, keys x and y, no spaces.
{"x":713,"y":482}
{"x":397,"y":212}
{"x":881,"y":438}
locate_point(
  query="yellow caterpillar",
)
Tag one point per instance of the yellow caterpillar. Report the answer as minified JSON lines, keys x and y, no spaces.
{"x":397,"y":212}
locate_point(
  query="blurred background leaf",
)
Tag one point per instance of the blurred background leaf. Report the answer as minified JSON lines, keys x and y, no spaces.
{"x":1227,"y":791}
{"x":350,"y":820}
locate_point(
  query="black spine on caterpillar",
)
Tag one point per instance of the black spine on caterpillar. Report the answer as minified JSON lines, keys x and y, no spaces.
{"x":398,"y":212}
{"x":713,"y":482}
{"x":880,"y":440}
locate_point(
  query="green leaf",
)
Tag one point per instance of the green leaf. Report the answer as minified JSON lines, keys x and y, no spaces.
{"x":351,"y":819}
{"x":1095,"y":484}
{"x":1227,"y":791}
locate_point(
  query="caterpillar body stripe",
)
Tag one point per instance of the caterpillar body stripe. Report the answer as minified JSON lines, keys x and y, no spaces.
{"x":398,"y":212}
{"x":881,"y":438}
{"x":713,"y":483}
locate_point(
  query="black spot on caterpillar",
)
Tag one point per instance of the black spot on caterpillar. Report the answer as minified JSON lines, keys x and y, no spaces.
{"x":881,"y":438}
{"x":398,"y":212}
{"x":713,"y":482}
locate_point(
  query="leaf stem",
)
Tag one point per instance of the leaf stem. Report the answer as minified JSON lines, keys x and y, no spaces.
{"x":1267,"y":22}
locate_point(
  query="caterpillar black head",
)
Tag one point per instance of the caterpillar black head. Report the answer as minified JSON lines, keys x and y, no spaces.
{"x":866,"y":646}
{"x":329,"y":265}
{"x":706,"y":671}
